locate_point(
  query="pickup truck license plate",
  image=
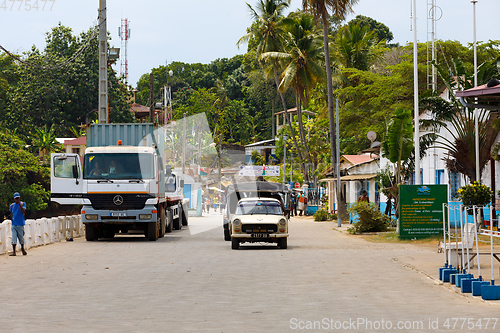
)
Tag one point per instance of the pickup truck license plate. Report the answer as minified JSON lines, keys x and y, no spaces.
{"x":119,"y":214}
{"x":260,"y":235}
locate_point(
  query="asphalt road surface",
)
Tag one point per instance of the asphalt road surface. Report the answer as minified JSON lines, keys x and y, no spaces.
{"x":191,"y":280}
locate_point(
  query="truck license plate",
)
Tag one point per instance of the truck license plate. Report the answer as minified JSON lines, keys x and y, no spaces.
{"x":260,"y":235}
{"x":119,"y":214}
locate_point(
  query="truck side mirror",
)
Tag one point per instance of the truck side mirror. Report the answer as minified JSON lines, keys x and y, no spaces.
{"x":75,"y":171}
{"x":181,"y":183}
{"x":74,"y":168}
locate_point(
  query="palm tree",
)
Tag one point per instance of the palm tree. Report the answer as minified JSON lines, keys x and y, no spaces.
{"x":301,"y":59}
{"x":357,"y":47}
{"x":339,"y":9}
{"x":268,"y":30}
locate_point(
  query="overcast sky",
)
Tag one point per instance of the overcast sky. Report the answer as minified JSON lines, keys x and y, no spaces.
{"x":204,"y":30}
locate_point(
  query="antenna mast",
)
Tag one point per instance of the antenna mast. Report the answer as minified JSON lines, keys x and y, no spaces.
{"x":124,"y":33}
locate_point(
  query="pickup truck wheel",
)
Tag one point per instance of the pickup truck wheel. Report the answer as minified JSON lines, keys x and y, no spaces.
{"x":152,"y":231}
{"x":282,"y":243}
{"x":169,"y":222}
{"x":235,"y":243}
{"x":90,"y":232}
{"x":227,"y":235}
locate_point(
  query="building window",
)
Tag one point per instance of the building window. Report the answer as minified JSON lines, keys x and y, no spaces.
{"x":421,"y":177}
{"x":439,"y":177}
{"x":454,"y":184}
{"x":76,"y":150}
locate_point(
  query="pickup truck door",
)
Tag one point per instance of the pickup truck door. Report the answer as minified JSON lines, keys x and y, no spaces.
{"x":66,"y":179}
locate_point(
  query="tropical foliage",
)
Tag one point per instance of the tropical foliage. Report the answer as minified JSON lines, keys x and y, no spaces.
{"x":475,"y":194}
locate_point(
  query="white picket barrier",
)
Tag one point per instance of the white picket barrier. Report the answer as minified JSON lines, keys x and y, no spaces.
{"x":43,"y":231}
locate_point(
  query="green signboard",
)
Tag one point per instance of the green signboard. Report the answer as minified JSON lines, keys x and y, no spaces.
{"x":421,"y":210}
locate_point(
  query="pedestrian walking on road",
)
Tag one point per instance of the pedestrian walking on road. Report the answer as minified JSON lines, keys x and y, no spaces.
{"x":301,"y":204}
{"x":18,"y":210}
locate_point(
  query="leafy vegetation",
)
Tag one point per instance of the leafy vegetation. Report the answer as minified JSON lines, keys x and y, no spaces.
{"x":371,"y":219}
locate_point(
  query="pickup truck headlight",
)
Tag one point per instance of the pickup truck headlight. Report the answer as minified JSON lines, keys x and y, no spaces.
{"x":282,"y":222}
{"x":237,"y":223}
{"x":91,"y":216}
{"x":145,"y":216}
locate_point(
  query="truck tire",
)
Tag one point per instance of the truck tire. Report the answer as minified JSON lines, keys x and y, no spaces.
{"x":282,"y":243}
{"x":90,"y":232}
{"x":169,"y":222}
{"x":185,"y":216}
{"x":235,"y":243}
{"x":152,"y":231}
{"x":161,"y":217}
{"x":177,"y":221}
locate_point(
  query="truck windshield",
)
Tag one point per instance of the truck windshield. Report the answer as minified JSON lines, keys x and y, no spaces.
{"x":259,"y":207}
{"x":119,"y":166}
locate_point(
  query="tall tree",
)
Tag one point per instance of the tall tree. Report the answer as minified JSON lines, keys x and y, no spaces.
{"x":301,"y":59}
{"x":320,"y":10}
{"x":268,"y":31}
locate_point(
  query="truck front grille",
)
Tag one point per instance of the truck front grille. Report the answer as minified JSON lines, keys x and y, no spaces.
{"x":259,"y":228}
{"x":109,"y":201}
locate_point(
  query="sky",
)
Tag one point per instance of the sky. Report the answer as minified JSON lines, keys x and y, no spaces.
{"x":202,"y":31}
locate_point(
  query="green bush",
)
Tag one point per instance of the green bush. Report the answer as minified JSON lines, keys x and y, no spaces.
{"x":371,"y":219}
{"x":321,"y":215}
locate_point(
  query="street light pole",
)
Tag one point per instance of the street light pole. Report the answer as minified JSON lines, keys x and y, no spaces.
{"x":284,"y":159}
{"x":415,"y":98}
{"x":476,"y":115}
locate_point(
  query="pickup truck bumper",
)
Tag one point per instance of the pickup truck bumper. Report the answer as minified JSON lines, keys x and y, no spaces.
{"x":90,"y":215}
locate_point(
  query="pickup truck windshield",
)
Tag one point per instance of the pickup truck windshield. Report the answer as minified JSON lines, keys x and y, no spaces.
{"x":119,"y":166}
{"x":259,"y":207}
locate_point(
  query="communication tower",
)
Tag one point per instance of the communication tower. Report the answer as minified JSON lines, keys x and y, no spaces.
{"x":124,"y":33}
{"x":434,"y":14}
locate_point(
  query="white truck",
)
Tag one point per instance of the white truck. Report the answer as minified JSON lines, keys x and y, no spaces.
{"x":123,"y":184}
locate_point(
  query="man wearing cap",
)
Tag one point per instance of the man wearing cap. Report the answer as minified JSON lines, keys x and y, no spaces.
{"x":18,"y":209}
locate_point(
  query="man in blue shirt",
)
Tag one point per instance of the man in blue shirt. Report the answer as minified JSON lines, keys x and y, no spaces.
{"x":18,"y":209}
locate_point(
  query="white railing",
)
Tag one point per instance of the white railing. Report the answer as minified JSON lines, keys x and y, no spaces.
{"x":42,"y":231}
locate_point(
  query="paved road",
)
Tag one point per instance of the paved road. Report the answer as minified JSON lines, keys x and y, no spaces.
{"x":191,"y":280}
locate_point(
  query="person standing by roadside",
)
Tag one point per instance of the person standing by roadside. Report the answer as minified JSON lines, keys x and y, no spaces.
{"x":18,"y":210}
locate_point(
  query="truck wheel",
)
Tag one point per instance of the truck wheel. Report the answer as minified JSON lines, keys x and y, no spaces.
{"x":90,"y":232}
{"x":185,"y":216}
{"x":227,"y":235}
{"x":235,"y":243}
{"x":282,"y":243}
{"x":162,"y":219}
{"x":170,"y":223}
{"x":152,"y":231}
{"x":177,"y":221}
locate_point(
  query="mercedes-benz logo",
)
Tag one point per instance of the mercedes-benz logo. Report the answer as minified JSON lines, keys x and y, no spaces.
{"x":118,"y":200}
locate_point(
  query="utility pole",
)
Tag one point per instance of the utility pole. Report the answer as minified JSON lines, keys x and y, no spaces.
{"x":415,"y":97}
{"x":103,"y":64}
{"x":151,"y":97}
{"x":284,"y":159}
{"x":220,"y":160}
{"x":184,"y":144}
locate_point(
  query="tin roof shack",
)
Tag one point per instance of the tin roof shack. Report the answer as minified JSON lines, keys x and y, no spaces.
{"x":266,"y":148}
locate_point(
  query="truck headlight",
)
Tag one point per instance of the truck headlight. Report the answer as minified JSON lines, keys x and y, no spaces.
{"x":145,"y":216}
{"x":91,"y":216}
{"x":237,"y":223}
{"x":282,"y":222}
